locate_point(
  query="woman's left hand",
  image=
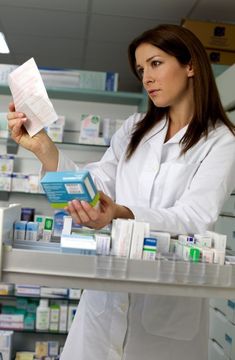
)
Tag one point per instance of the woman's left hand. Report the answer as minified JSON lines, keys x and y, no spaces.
{"x":94,"y":217}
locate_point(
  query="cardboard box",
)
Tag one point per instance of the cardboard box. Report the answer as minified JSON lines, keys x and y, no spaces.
{"x":213,"y":35}
{"x":221,"y":57}
{"x":63,"y":186}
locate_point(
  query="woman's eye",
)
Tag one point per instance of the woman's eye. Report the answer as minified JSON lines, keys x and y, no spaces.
{"x":155,"y":63}
{"x":140,"y":73}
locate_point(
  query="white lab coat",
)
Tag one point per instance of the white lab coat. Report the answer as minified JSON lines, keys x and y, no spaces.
{"x":176,"y":194}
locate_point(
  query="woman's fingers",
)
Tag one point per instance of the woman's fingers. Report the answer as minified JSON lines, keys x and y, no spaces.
{"x":92,"y":212}
{"x":11,"y":107}
{"x":15,"y":115}
{"x":70,"y":208}
{"x":83,"y":213}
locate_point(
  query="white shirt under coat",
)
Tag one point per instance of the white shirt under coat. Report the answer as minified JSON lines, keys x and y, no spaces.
{"x":179,"y":194}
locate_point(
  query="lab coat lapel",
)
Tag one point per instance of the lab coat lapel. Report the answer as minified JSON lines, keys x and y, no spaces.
{"x":152,"y":145}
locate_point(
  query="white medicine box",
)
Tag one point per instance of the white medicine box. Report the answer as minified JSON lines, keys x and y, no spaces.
{"x":6,"y":163}
{"x":90,"y":127}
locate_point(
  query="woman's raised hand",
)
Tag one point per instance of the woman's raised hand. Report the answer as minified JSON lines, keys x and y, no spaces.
{"x":40,"y":144}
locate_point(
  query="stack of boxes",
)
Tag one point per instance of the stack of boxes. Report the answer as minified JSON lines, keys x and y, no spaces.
{"x":69,"y":78}
{"x":218,"y":39}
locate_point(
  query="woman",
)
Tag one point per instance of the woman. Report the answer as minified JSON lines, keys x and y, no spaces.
{"x":172,"y":167}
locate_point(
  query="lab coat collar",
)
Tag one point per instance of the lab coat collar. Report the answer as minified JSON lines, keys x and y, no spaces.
{"x":178,"y":136}
{"x":160,"y":127}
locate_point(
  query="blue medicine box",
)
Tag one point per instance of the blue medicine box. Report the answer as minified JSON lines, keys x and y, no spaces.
{"x":63,"y":186}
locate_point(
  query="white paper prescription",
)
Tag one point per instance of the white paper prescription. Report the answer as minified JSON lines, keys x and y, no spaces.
{"x":30,"y":97}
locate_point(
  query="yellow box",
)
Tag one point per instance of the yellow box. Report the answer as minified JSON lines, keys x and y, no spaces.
{"x":213,"y":35}
{"x":217,"y":56}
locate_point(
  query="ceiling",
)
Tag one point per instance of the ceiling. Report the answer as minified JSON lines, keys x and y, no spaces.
{"x":93,"y":34}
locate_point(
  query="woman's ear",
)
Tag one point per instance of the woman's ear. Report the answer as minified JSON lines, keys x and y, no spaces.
{"x":190,"y":70}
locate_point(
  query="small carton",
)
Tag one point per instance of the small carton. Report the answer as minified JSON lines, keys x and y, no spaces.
{"x":63,"y":186}
{"x":6,"y":163}
{"x":90,"y":127}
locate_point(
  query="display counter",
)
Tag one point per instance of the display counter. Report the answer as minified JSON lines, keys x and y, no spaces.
{"x":46,"y":265}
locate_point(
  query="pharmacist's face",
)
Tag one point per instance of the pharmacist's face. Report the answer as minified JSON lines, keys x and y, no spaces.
{"x":166,"y":81}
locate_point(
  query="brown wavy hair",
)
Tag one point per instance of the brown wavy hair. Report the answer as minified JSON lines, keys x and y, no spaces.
{"x":181,"y":43}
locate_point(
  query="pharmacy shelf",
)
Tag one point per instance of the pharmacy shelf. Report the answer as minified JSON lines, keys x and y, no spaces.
{"x":36,"y":297}
{"x":172,"y":278}
{"x":34,"y":331}
{"x":5,"y":141}
{"x":45,"y":264}
{"x":77,"y":94}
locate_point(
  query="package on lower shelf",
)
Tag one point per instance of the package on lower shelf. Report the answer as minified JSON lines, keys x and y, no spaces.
{"x":5,"y":181}
{"x":20,"y":182}
{"x":45,"y":349}
{"x":6,"y":338}
{"x":6,"y":163}
{"x":12,"y":321}
{"x":83,"y":244}
{"x":6,"y":289}
{"x":27,"y":290}
{"x":25,"y":355}
{"x":133,"y":239}
{"x":54,"y":292}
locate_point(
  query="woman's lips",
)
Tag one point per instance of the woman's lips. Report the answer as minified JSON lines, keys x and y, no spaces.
{"x":153,"y":92}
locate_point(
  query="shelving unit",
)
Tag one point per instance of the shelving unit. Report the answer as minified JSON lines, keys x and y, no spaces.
{"x":116,"y":274}
{"x":28,"y":310}
{"x":45,"y":264}
{"x":78,"y":94}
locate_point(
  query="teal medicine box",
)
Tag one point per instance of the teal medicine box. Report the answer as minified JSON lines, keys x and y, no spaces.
{"x":63,"y":186}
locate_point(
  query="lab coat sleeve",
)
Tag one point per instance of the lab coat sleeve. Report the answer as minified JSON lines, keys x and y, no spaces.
{"x":199,"y":206}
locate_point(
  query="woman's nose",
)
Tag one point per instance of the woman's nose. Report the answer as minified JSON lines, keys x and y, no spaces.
{"x":147,"y":78}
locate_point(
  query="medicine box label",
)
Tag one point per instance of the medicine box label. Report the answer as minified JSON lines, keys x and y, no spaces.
{"x":61,"y":187}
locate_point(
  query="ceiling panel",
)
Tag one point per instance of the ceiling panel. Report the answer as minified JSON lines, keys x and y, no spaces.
{"x":68,"y":5}
{"x":150,"y":9}
{"x":93,"y":34}
{"x":215,"y":10}
{"x":117,"y":29}
{"x":46,"y":46}
{"x":51,"y":60}
{"x":44,"y":23}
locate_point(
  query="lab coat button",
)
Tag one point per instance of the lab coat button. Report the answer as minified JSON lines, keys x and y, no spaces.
{"x":123,"y":307}
{"x":119,"y":350}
